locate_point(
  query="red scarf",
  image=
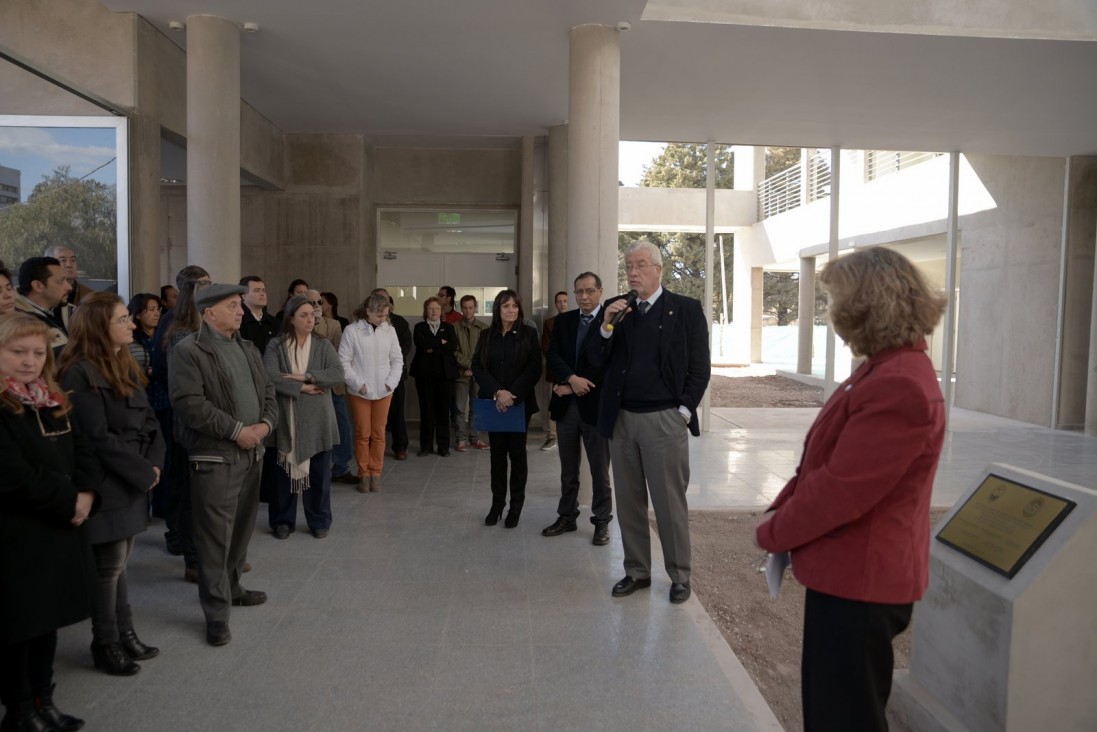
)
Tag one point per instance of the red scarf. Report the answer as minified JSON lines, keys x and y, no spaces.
{"x":35,"y":394}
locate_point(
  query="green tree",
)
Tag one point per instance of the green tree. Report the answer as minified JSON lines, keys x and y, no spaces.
{"x":80,"y":214}
{"x":781,"y":158}
{"x":781,"y":298}
{"x":683,"y":165}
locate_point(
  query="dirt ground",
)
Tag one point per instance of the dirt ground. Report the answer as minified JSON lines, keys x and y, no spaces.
{"x":764,"y":633}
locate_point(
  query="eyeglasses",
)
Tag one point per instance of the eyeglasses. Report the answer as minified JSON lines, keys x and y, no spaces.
{"x":53,"y":433}
{"x":316,"y":302}
{"x":638,"y":267}
{"x":589,"y":292}
{"x":124,"y":320}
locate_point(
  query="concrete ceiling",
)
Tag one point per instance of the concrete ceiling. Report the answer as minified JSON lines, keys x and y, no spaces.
{"x":408,"y":71}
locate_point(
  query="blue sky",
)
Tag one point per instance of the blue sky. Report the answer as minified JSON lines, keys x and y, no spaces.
{"x":36,"y":151}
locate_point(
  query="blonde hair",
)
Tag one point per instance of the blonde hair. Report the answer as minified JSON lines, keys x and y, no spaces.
{"x":880,"y":301}
{"x":14,"y":326}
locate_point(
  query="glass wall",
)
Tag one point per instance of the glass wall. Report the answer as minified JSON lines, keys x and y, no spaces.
{"x":63,"y":181}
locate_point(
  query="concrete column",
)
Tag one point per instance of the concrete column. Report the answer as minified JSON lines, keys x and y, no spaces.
{"x":530,"y":296}
{"x":594,"y":121}
{"x":213,"y":146}
{"x":750,"y":166}
{"x":558,"y":210}
{"x":805,"y":175}
{"x":145,"y":171}
{"x":806,"y":311}
{"x":757,"y":305}
{"x":1091,"y":383}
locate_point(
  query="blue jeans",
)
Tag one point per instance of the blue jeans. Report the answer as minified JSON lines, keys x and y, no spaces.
{"x":343,"y":453}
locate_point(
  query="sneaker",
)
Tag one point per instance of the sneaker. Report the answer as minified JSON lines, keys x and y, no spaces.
{"x":481,"y":445}
{"x":550,"y":443}
{"x":462,"y":446}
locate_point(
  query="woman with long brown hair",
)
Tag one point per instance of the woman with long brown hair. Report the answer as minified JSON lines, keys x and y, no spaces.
{"x":112,"y":410}
{"x":507,"y":365}
{"x":48,"y":491}
{"x":855,"y":517}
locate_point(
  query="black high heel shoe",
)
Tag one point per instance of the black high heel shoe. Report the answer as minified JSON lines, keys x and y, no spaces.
{"x":134,"y":648}
{"x":110,"y":657}
{"x":493,"y":516}
{"x":512,"y":519}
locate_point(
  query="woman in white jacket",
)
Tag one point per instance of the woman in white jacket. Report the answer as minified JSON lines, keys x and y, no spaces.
{"x":373,"y":364}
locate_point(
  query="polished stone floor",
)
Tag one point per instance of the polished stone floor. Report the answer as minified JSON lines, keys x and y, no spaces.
{"x":412,"y":615}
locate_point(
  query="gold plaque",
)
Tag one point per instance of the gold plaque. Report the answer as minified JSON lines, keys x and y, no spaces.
{"x":1003,"y":523}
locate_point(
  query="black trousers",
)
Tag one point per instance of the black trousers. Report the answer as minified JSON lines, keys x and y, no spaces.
{"x":508,"y":446}
{"x":846,"y":669}
{"x":434,"y":399}
{"x":574,"y":434}
{"x":26,"y":669}
{"x":397,"y":425}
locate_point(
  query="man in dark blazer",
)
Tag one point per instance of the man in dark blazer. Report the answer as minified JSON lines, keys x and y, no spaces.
{"x":574,"y":409}
{"x":657,"y":369}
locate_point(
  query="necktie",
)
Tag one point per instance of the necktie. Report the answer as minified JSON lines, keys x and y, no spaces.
{"x":586,"y":318}
{"x":584,"y":325}
{"x":643,"y":306}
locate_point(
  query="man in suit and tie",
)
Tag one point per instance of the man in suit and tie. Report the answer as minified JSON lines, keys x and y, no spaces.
{"x":574,"y":408}
{"x":657,"y":367}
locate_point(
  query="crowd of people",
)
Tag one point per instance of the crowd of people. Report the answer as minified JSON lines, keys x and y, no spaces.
{"x":196,"y":404}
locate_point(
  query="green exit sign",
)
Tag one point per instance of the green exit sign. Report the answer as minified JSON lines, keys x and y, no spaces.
{"x":449,"y":218}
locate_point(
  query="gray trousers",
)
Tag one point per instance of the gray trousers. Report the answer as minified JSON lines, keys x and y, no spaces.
{"x":573,"y":434}
{"x":225,"y":499}
{"x":463,"y":391}
{"x":650,"y":454}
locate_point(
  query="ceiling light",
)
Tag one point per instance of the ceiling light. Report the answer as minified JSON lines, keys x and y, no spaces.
{"x":250,"y":27}
{"x":624,"y":25}
{"x":176,"y":25}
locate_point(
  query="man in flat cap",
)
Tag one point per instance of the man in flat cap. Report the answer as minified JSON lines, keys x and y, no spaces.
{"x":224,"y":408}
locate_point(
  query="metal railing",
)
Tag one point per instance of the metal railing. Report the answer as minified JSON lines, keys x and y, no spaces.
{"x":819,"y":176}
{"x":779,"y":193}
{"x":879,"y":163}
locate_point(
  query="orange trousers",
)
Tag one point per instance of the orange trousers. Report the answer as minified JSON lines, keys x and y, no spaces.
{"x":369,"y":417}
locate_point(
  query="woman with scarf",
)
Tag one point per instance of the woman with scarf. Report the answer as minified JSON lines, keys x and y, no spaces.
{"x":507,"y":366}
{"x":303,"y":369}
{"x":373,"y":364}
{"x":49,"y":488}
{"x":434,"y":368}
{"x":112,"y":410}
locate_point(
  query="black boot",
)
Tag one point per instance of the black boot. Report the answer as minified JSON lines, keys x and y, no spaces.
{"x":110,"y":657}
{"x":134,"y":648}
{"x":512,"y":517}
{"x":493,"y":515}
{"x":44,"y":705}
{"x":28,"y":719}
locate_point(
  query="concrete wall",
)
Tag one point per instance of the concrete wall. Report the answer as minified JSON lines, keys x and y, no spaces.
{"x":1011,"y":278}
{"x":1077,"y":303}
{"x":418,"y":176}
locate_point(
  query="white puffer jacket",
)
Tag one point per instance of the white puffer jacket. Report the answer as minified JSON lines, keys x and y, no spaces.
{"x":371,"y":357}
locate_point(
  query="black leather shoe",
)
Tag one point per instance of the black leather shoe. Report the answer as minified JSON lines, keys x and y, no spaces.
{"x":601,"y":535}
{"x":511,"y":520}
{"x":628,"y":585}
{"x":679,"y":592}
{"x":111,"y":659}
{"x":54,"y":716}
{"x":558,"y":527}
{"x":134,"y":648}
{"x":493,"y":516}
{"x":217,"y":633}
{"x":348,"y":477}
{"x":424,"y":452}
{"x":443,"y":453}
{"x":28,"y":720}
{"x":250,"y":598}
{"x":281,"y":531}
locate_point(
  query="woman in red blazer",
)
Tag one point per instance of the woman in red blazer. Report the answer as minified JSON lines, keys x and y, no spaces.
{"x":855,"y":517}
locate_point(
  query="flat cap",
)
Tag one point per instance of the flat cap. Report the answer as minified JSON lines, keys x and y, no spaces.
{"x":209,"y":296}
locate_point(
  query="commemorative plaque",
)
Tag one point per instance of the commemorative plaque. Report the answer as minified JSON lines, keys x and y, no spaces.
{"x":1003,"y":523}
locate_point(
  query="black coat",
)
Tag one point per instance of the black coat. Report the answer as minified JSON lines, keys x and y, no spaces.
{"x":503,"y":368}
{"x":684,"y":360}
{"x":47,"y":573}
{"x":432,"y":357}
{"x":126,"y":437}
{"x":261,"y":331}
{"x":564,"y":360}
{"x":403,"y":334}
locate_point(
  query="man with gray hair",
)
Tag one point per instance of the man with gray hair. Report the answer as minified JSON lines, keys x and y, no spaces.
{"x":67,"y":257}
{"x":224,"y":408}
{"x":657,"y":367}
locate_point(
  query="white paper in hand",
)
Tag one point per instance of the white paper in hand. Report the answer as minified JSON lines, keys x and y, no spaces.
{"x":775,"y":571}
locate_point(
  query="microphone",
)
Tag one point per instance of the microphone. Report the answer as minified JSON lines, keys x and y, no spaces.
{"x":630,"y":298}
